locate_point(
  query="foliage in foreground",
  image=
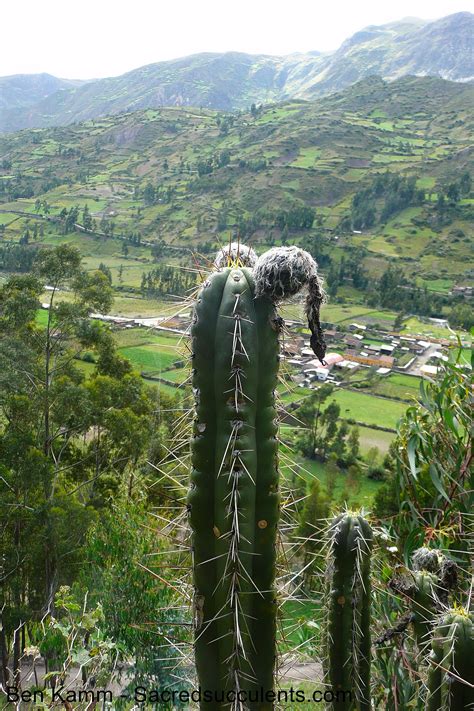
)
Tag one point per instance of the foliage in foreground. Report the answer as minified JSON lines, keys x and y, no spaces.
{"x":426,"y":511}
{"x":69,"y":446}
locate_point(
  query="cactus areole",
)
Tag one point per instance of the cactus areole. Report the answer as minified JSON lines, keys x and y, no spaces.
{"x":233,"y":500}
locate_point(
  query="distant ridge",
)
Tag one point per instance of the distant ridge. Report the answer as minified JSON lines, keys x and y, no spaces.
{"x":233,"y":80}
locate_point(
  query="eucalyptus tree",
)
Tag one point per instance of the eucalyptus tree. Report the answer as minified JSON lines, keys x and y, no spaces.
{"x":67,"y":443}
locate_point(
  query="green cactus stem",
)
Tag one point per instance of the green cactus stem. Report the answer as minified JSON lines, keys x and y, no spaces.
{"x":451,"y":676}
{"x":424,"y":606}
{"x":348,"y":641}
{"x":233,"y":501}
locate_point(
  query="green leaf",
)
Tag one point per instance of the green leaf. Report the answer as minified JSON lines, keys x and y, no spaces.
{"x":51,"y":674}
{"x":450,"y":421}
{"x":435,"y":478}
{"x":411,"y":451}
{"x":80,"y":657}
{"x":424,"y":397}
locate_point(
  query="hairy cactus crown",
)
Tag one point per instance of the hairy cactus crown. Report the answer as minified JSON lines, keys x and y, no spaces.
{"x":235,"y":255}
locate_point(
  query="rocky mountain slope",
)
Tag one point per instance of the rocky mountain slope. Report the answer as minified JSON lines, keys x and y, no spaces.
{"x":21,"y":91}
{"x":235,"y":80}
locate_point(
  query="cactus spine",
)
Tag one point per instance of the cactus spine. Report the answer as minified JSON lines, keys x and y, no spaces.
{"x":233,"y":501}
{"x":348,"y":641}
{"x":451,"y":676}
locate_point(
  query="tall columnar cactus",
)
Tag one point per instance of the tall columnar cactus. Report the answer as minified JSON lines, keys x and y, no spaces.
{"x":348,"y":641}
{"x":451,"y":676}
{"x":233,"y":501}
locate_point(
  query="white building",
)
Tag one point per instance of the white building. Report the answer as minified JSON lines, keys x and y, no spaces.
{"x":322,"y":373}
{"x":348,"y":365}
{"x":428,"y":369}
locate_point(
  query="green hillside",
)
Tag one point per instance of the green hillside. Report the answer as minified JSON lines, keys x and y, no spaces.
{"x":191,"y":177}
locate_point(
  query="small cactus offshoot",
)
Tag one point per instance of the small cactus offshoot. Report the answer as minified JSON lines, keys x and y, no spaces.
{"x":347,"y":633}
{"x":451,"y":675}
{"x":427,"y":586}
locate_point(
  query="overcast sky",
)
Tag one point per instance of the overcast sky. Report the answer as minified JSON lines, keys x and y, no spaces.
{"x":97,"y":38}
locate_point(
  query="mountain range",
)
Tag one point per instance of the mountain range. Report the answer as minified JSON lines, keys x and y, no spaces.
{"x":234,"y":80}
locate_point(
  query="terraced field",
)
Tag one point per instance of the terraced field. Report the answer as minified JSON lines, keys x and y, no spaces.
{"x":213,"y":173}
{"x":168,"y":186}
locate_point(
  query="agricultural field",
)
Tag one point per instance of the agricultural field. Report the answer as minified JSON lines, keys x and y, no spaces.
{"x":415,"y":325}
{"x":150,"y":352}
{"x":193,"y":176}
{"x":370,"y":438}
{"x":368,"y":409}
{"x":133,"y":305}
{"x":152,"y":359}
{"x":342,"y":314}
{"x":398,"y":385}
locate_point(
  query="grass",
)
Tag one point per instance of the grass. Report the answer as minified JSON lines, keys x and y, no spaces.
{"x":306,"y":469}
{"x":443,"y":286}
{"x":368,"y":409}
{"x":138,"y":307}
{"x":42,"y":317}
{"x":132,"y":305}
{"x":151,"y":358}
{"x":86,"y":368}
{"x":372,"y":342}
{"x":414,"y":325}
{"x":126,"y":271}
{"x":347,"y":313}
{"x":398,"y":385}
{"x":167,"y":390}
{"x":307,"y":157}
{"x":6,"y":219}
{"x":146,"y":336}
{"x":177,"y":375}
{"x":298,"y":612}
{"x":289,"y":393}
{"x":370,"y":438}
